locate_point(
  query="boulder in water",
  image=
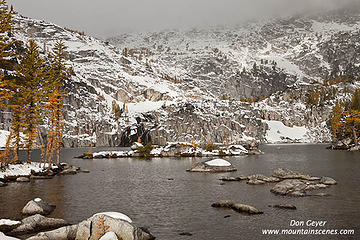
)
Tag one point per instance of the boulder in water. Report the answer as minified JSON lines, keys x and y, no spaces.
{"x":328,"y":181}
{"x":38,"y":206}
{"x":284,"y":206}
{"x":243,"y":208}
{"x":213,"y":166}
{"x":123,"y":229}
{"x":23,"y":179}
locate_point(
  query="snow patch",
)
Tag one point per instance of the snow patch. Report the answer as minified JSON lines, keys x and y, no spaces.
{"x":218,"y":163}
{"x":8,"y":222}
{"x":4,"y":237}
{"x":278,"y":132}
{"x":37,"y":199}
{"x":109,"y":236}
{"x":115,"y":215}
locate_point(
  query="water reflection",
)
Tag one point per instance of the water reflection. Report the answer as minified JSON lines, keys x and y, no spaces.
{"x":142,"y":190}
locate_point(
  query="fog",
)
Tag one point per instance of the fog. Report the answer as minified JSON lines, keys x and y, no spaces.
{"x":106,"y":18}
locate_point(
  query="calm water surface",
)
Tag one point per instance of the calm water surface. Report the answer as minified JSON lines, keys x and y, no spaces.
{"x":141,"y":189}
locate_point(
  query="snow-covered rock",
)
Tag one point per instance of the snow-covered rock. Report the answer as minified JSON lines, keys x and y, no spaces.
{"x":13,"y":171}
{"x":6,"y":225}
{"x":218,"y":163}
{"x":115,"y":215}
{"x":38,"y":206}
{"x":136,"y":145}
{"x":123,"y":229}
{"x":109,"y":236}
{"x":4,"y":237}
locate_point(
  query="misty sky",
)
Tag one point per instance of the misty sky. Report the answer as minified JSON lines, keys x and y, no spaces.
{"x":106,"y":18}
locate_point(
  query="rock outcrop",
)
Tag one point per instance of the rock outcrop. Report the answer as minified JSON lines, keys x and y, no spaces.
{"x":37,"y":223}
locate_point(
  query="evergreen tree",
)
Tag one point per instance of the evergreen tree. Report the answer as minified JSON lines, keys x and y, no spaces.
{"x":55,"y":110}
{"x":6,"y":26}
{"x":32,"y":75}
{"x":355,"y":102}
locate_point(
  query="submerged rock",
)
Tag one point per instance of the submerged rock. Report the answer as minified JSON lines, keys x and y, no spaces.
{"x":238,"y":207}
{"x":23,"y":179}
{"x":38,"y":206}
{"x":284,"y":206}
{"x":245,"y":208}
{"x":328,"y":181}
{"x":70,"y":171}
{"x":216,"y":165}
{"x":2,"y":184}
{"x":37,"y":223}
{"x":223,"y":204}
{"x":233,"y":179}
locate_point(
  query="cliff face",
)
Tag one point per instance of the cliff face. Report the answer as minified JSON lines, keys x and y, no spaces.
{"x":185,"y":85}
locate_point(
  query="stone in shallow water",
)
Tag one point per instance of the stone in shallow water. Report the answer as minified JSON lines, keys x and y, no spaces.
{"x":284,"y":206}
{"x":2,"y":184}
{"x":233,"y":179}
{"x":23,"y":179}
{"x":238,"y":207}
{"x":245,"y":208}
{"x":38,"y":206}
{"x":328,"y":181}
{"x":223,"y":204}
{"x":217,"y":165}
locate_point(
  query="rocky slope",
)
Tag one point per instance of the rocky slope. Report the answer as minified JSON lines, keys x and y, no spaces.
{"x":192,"y":85}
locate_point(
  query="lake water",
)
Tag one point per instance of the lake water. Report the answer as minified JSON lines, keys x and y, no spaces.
{"x":142,"y":190}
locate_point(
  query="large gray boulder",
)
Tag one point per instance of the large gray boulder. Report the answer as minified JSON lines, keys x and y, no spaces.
{"x":213,"y":166}
{"x":63,"y":233}
{"x":296,"y":187}
{"x":91,"y":229}
{"x":94,"y":228}
{"x":38,"y":206}
{"x":37,"y":223}
{"x":289,"y":174}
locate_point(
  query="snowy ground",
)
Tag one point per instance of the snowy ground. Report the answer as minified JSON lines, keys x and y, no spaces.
{"x":278,"y":132}
{"x":16,"y":170}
